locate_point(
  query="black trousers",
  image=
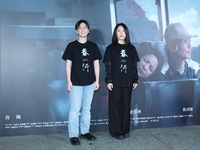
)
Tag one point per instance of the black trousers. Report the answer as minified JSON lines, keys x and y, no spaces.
{"x":119,"y":110}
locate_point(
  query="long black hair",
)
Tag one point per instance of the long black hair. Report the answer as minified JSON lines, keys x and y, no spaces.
{"x":114,"y":37}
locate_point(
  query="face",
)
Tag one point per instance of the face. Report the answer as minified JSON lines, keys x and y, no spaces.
{"x":82,"y":30}
{"x":147,"y":65}
{"x":183,"y":49}
{"x":121,"y":35}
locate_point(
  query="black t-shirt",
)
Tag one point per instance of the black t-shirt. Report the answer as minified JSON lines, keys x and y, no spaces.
{"x":82,"y":57}
{"x":123,"y":60}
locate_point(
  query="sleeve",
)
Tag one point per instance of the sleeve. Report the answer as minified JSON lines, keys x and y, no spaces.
{"x":107,"y":62}
{"x":136,"y":57}
{"x":107,"y":55}
{"x":108,"y":72}
{"x":135,"y":71}
{"x":97,"y":53}
{"x":67,"y":53}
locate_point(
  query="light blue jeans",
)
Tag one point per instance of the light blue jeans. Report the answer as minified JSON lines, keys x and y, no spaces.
{"x":80,"y":100}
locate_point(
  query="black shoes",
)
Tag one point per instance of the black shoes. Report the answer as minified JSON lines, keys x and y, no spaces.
{"x":88,"y":137}
{"x":74,"y":141}
{"x":119,"y":137}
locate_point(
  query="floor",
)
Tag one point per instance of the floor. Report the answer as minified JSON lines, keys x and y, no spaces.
{"x":172,"y":138}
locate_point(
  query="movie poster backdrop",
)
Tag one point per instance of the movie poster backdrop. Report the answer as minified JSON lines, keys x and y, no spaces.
{"x":33,"y":91}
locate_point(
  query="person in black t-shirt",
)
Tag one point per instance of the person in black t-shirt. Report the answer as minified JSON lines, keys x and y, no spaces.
{"x":82,"y":69}
{"x":120,"y":60}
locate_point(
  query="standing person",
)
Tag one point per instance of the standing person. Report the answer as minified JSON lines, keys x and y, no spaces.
{"x":178,"y":64}
{"x":82,"y":69}
{"x":121,"y":77}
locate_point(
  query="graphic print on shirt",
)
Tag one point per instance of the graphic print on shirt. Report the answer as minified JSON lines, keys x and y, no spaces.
{"x":85,"y":65}
{"x":84,"y":52}
{"x":123,"y":53}
{"x":123,"y":66}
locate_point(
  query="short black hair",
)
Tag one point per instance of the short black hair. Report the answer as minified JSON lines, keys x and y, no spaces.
{"x":82,"y":21}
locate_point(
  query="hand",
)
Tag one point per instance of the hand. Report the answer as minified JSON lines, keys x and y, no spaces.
{"x":110,"y":86}
{"x":135,"y":86}
{"x":96,"y":86}
{"x":69,"y":86}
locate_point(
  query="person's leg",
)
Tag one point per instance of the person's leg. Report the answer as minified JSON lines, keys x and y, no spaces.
{"x":115,"y":117}
{"x":126,"y":105}
{"x":85,"y":117}
{"x":75,"y":100}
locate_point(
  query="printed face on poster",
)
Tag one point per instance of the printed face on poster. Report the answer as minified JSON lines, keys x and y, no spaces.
{"x":33,"y":92}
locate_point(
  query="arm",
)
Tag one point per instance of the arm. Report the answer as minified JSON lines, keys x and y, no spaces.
{"x":108,"y":76}
{"x":97,"y":74}
{"x":68,"y":73}
{"x":135,"y":76}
